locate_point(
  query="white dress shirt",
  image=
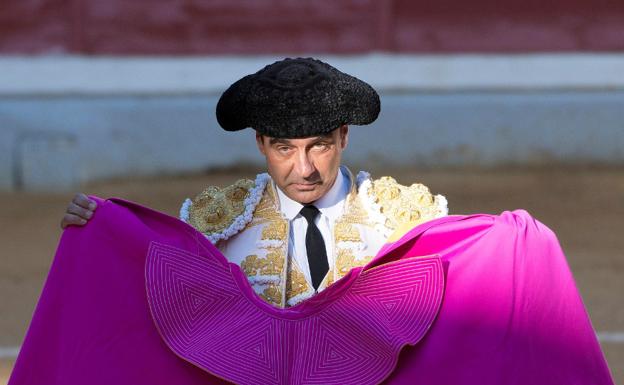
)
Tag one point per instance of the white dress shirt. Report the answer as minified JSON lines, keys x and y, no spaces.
{"x":331,"y":207}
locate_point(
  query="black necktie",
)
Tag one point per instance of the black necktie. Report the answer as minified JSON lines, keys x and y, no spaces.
{"x":315,"y":247}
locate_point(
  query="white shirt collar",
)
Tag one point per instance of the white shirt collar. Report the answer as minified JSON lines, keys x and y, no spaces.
{"x":330,"y":204}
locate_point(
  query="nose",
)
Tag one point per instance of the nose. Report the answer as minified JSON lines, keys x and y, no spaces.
{"x":304,"y":166}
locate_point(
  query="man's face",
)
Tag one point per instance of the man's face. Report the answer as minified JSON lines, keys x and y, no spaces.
{"x":306,"y":168}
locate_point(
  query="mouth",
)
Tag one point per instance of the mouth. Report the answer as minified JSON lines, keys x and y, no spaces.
{"x":305,"y":186}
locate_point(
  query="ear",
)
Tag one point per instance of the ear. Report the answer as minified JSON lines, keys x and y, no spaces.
{"x":260,"y":143}
{"x":344,"y":136}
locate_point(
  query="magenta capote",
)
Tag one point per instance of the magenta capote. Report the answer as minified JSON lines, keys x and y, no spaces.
{"x":139,"y":297}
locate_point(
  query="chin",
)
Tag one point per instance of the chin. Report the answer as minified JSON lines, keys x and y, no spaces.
{"x":305,"y":197}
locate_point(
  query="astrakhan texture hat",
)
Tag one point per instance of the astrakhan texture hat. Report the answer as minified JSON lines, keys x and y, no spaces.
{"x":296,"y":98}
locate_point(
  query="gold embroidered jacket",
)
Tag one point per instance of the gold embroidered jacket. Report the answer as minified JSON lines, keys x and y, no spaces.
{"x":246,"y":224}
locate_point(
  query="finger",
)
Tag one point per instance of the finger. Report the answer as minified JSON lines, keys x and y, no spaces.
{"x":83,"y":201}
{"x":79,"y":211}
{"x":70,"y":219}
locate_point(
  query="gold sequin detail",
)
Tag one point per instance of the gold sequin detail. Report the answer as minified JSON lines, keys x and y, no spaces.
{"x":215,"y":209}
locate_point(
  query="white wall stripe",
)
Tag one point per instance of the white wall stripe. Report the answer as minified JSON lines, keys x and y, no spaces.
{"x":611,"y":337}
{"x":11,"y":352}
{"x":66,"y":74}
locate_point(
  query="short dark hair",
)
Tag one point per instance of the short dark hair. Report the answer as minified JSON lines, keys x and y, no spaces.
{"x":274,"y":140}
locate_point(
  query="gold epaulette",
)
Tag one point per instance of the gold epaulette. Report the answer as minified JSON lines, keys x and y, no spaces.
{"x":215,"y":209}
{"x":402,"y":205}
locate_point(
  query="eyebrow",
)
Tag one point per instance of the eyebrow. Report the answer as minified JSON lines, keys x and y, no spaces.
{"x":287,"y":141}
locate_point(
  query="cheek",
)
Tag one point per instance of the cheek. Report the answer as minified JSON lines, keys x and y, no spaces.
{"x":331,"y":160}
{"x":326,"y":164}
{"x":279,"y":167}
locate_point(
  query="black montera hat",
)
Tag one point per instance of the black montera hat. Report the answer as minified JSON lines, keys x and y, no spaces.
{"x":296,"y":98}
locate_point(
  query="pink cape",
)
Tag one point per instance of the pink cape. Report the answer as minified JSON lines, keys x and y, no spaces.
{"x":139,"y":297}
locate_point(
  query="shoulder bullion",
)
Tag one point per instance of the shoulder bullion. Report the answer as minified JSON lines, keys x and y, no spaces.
{"x":215,"y":209}
{"x":220,"y":213}
{"x":399,"y":204}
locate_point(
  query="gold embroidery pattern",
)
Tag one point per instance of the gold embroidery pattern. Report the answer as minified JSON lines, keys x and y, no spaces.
{"x":275,"y":230}
{"x":249,"y":265}
{"x":296,"y":283}
{"x":272,"y":294}
{"x":346,"y":260}
{"x":328,"y":280}
{"x":355,"y":213}
{"x":275,"y":262}
{"x":214,"y":209}
{"x":402,"y":204}
{"x":266,"y":212}
{"x":345,"y":230}
{"x":272,"y":265}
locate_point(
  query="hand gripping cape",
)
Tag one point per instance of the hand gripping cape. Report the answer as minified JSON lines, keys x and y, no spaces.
{"x":139,"y":297}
